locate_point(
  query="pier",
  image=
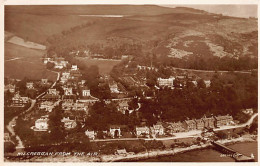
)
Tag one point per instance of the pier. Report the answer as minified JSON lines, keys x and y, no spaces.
{"x":232,"y":153}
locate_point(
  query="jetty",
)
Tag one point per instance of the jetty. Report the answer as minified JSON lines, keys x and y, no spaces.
{"x":232,"y":153}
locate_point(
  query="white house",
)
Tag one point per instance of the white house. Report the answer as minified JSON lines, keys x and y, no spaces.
{"x":41,"y":124}
{"x":113,"y":130}
{"x":90,"y":134}
{"x":166,"y":82}
{"x":68,"y":123}
{"x":74,"y":67}
{"x":142,"y":131}
{"x":29,"y":85}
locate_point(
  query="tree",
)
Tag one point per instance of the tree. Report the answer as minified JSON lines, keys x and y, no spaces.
{"x":50,"y":65}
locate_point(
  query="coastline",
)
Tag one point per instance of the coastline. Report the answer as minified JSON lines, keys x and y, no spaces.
{"x":170,"y":152}
{"x":140,"y":156}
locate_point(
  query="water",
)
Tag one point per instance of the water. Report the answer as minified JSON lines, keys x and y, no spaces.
{"x":208,"y":155}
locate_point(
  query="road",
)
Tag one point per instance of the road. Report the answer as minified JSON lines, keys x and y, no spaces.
{"x":13,"y":121}
{"x":212,"y":71}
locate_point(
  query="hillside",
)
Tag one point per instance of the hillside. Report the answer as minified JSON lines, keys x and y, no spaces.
{"x":173,"y":32}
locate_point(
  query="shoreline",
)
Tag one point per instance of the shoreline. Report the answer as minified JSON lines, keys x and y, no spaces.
{"x":171,"y":152}
{"x":139,"y":156}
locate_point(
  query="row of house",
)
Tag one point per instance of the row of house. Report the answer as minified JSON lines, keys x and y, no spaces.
{"x":187,"y":125}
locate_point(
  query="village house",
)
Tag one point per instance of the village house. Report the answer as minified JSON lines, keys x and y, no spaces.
{"x":68,"y":123}
{"x":249,"y":111}
{"x":113,"y":88}
{"x":53,"y":91}
{"x":46,"y":60}
{"x":65,"y":75}
{"x":67,"y":105}
{"x":7,"y":137}
{"x":10,"y":88}
{"x":115,"y":131}
{"x":90,"y":134}
{"x":121,"y":152}
{"x":157,"y":129}
{"x":85,"y":91}
{"x":189,"y":125}
{"x":44,"y":81}
{"x":207,"y":83}
{"x":209,"y":122}
{"x":223,"y":120}
{"x":142,"y":131}
{"x":41,"y":124}
{"x":46,"y":105}
{"x":74,"y":67}
{"x":165,"y":82}
{"x":58,"y":65}
{"x":195,"y":83}
{"x":78,"y":106}
{"x":199,"y":124}
{"x":18,"y":101}
{"x":68,"y":91}
{"x":29,"y":85}
{"x":122,"y":106}
{"x":175,"y":127}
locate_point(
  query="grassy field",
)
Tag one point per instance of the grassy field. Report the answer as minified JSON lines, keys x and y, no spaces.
{"x":105,"y":66}
{"x":23,"y":62}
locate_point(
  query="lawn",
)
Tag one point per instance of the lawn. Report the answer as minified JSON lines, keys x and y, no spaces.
{"x":27,"y":63}
{"x":105,"y":66}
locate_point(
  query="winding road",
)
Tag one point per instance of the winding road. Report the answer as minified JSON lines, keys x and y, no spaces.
{"x":13,"y":121}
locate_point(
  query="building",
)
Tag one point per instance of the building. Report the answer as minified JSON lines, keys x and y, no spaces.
{"x":41,"y":124}
{"x":67,"y":105}
{"x":209,"y":122}
{"x":68,"y":91}
{"x":176,"y":127}
{"x":142,"y":131}
{"x":69,"y":123}
{"x":7,"y":137}
{"x":85,"y":91}
{"x":53,"y":91}
{"x":207,"y":83}
{"x":113,"y":88}
{"x":79,"y":106}
{"x":115,"y":131}
{"x":10,"y":87}
{"x":29,"y":85}
{"x":18,"y":101}
{"x":165,"y":82}
{"x":44,"y":81}
{"x":199,"y":124}
{"x":74,"y":67}
{"x":90,"y":134}
{"x":47,"y":105}
{"x":122,"y":106}
{"x":121,"y":152}
{"x":223,"y":120}
{"x":157,"y":129}
{"x":189,"y":125}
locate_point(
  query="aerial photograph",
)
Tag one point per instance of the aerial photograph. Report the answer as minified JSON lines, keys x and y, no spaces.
{"x":130,"y":83}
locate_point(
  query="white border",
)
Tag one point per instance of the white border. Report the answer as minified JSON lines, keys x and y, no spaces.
{"x":79,"y":2}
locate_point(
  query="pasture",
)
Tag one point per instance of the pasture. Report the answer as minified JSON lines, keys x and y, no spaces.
{"x":23,"y":62}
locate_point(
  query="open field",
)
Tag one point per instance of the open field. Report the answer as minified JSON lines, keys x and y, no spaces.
{"x":23,"y":62}
{"x":21,"y":42}
{"x":105,"y":66}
